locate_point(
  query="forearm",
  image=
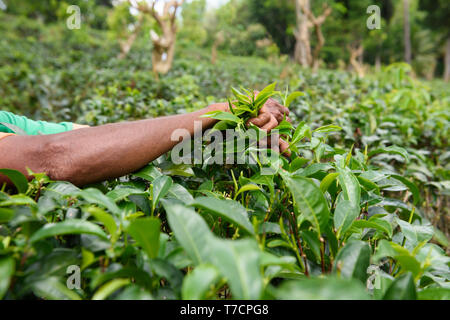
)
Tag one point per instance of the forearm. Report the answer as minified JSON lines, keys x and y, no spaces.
{"x":94,"y":154}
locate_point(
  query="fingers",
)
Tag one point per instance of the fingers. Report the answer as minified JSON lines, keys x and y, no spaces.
{"x":273,"y":123}
{"x":283,"y":109}
{"x":261,"y":120}
{"x":281,"y":147}
{"x":266,"y":121}
{"x":276,"y":109}
{"x":284,"y":148}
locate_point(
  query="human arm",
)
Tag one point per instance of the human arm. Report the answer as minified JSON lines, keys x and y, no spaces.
{"x":76,"y":126}
{"x":97,"y":153}
{"x":92,"y":154}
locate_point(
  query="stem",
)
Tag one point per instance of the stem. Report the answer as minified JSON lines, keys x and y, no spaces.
{"x":151,"y":193}
{"x":322,"y":254}
{"x":409,"y":221}
{"x":235,"y":184}
{"x":38,"y":193}
{"x":297,"y":238}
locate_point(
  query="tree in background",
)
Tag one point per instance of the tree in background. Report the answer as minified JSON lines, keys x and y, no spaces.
{"x":241,"y":33}
{"x":348,"y":33}
{"x":316,"y":22}
{"x":278,"y":17}
{"x":425,"y":43}
{"x":437,"y":19}
{"x":356,"y":58}
{"x":375,"y":42}
{"x":417,"y":31}
{"x":124,"y":27}
{"x":219,"y":40}
{"x":192,"y":30}
{"x":302,"y":53}
{"x":164,"y":43}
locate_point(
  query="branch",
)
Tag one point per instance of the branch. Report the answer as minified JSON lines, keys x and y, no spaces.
{"x":355,"y":50}
{"x":327,"y":11}
{"x":321,"y":19}
{"x":176,"y":4}
{"x":143,"y":7}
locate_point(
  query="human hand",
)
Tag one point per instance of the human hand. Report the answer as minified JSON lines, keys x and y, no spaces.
{"x":270,"y":116}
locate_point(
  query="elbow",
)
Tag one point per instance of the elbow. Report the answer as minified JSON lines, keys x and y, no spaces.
{"x":56,"y":160}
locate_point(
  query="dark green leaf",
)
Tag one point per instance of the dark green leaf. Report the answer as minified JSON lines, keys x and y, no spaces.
{"x":344,"y":215}
{"x":161,"y":187}
{"x":309,"y":199}
{"x":403,"y":288}
{"x":146,"y":233}
{"x":353,"y":260}
{"x":391,"y":150}
{"x":350,"y":186}
{"x":197,"y":283}
{"x":72,"y":226}
{"x":322,"y":289}
{"x":16,"y":177}
{"x":229,"y":210}
{"x":7,"y":269}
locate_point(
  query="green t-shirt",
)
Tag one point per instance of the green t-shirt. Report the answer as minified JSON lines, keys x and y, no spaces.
{"x":31,"y":127}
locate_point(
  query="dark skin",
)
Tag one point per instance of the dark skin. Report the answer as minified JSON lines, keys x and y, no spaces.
{"x":93,"y":154}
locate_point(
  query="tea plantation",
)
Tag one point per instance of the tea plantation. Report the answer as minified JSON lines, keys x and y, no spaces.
{"x":359,"y":211}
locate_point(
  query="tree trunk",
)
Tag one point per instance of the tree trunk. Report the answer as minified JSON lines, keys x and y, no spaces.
{"x":317,"y":23}
{"x":356,"y":54}
{"x":163,"y":44}
{"x":378,"y":63}
{"x":163,"y":49}
{"x":319,"y":45}
{"x":378,"y":59}
{"x":125,"y":45}
{"x":162,"y":54}
{"x":447,"y":61}
{"x":302,"y":53}
{"x":430,"y":70}
{"x":308,"y":20}
{"x":407,"y":31}
{"x":217,"y":42}
{"x":214,"y":54}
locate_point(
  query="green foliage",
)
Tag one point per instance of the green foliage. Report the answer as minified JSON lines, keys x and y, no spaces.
{"x":365,"y":187}
{"x":278,"y":17}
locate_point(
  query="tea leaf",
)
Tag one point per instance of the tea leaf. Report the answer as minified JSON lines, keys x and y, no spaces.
{"x":229,"y":210}
{"x":353,"y":260}
{"x":146,"y":233}
{"x":72,"y":226}
{"x":309,"y":199}
{"x":17,"y":178}
{"x":403,"y":288}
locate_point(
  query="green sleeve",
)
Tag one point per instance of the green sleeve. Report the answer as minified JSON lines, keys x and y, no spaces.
{"x":32,"y":127}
